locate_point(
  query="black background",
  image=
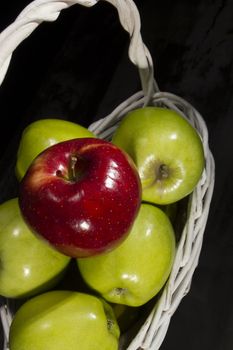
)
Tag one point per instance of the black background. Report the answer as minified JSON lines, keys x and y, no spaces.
{"x":77,"y":69}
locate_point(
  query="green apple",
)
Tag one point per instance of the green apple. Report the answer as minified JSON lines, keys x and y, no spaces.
{"x":41,"y":134}
{"x":61,"y":320}
{"x":27,"y":264}
{"x":166,"y":149}
{"x":135,"y":271}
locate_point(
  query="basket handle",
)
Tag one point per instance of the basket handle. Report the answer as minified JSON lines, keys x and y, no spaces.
{"x":39,"y":11}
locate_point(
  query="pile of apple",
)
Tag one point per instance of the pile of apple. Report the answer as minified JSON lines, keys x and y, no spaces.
{"x":103,"y":205}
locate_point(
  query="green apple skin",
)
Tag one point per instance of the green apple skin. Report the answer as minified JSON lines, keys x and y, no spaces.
{"x":60,"y":320}
{"x":42,"y":134}
{"x":134,"y":272}
{"x":27,"y":264}
{"x":167,"y":151}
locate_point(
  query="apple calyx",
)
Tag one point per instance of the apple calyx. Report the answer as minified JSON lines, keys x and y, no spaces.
{"x":119,"y":291}
{"x":110,"y":324}
{"x":111,"y":319}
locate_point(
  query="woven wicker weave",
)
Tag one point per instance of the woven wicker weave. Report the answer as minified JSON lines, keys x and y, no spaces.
{"x":153,"y":330}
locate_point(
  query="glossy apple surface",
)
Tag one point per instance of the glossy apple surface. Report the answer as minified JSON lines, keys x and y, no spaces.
{"x":27,"y":265}
{"x":81,"y":195}
{"x":135,"y":271}
{"x":42,"y":134}
{"x":167,"y":151}
{"x":60,"y":320}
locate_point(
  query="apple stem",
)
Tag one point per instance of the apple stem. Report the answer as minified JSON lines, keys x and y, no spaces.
{"x":163,"y":172}
{"x":72,"y":172}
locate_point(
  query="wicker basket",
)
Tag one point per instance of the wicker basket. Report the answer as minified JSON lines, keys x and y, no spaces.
{"x":153,"y":329}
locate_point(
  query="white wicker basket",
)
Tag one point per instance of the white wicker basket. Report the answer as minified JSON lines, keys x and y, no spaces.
{"x":153,"y":330}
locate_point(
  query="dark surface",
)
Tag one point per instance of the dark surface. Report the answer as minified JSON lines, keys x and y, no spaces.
{"x":77,"y":69}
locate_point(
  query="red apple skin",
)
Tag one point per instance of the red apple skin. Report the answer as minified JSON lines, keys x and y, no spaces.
{"x":83,"y":206}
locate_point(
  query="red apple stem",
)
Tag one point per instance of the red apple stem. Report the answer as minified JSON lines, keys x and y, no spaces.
{"x":72,"y":168}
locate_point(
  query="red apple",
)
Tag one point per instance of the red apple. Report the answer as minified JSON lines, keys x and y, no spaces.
{"x":81,"y":195}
